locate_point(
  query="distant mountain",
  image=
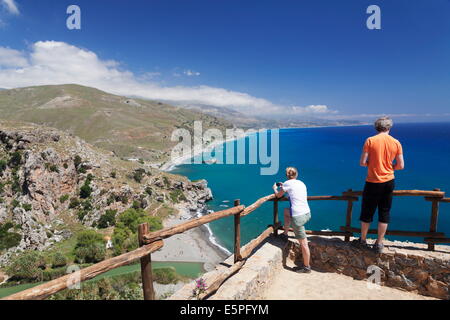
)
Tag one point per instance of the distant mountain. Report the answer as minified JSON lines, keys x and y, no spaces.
{"x":131,"y":128}
{"x":245,"y":121}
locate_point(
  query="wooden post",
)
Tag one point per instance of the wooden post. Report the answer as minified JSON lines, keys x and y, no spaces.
{"x":434,"y":218}
{"x":237,"y":233}
{"x":275,"y":215}
{"x":348,"y":219}
{"x":146,"y":266}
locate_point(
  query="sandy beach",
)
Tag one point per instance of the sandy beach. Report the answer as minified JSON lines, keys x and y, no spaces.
{"x":190,"y":246}
{"x":172,"y":163}
{"x":194,"y":245}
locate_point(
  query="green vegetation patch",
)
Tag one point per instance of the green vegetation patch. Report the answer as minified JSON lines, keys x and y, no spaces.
{"x":125,"y":233}
{"x":8,"y":239}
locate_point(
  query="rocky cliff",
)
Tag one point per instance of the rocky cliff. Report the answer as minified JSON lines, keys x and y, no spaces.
{"x":51,"y":181}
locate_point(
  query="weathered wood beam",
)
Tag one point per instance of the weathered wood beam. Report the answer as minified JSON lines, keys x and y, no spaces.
{"x":398,"y":232}
{"x":165,"y":233}
{"x":44,"y":290}
{"x":424,"y":193}
{"x":437,"y":240}
{"x":257,"y":204}
{"x":314,"y":198}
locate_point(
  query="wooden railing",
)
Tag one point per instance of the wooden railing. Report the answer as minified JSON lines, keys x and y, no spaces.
{"x":149,"y":242}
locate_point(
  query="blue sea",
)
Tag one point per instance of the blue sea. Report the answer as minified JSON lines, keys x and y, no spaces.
{"x":328,"y":163}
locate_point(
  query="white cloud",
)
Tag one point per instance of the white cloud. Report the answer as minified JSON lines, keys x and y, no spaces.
{"x":313,"y":109}
{"x":12,"y":58}
{"x":51,"y":62}
{"x":11,"y":6}
{"x":191,"y":73}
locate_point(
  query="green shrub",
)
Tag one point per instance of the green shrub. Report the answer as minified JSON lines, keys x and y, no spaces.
{"x":8,"y":239}
{"x":3,"y":165}
{"x":63,"y":198}
{"x":58,"y":259}
{"x":148,"y":190}
{"x":27,"y":206}
{"x":54,"y":168}
{"x":15,"y":159}
{"x":125,"y":233}
{"x":90,"y":247}
{"x":51,"y":274}
{"x":166,"y":181}
{"x":136,"y":204}
{"x":81,"y":214}
{"x":113,"y":174}
{"x":77,"y":161}
{"x":85,"y":191}
{"x":74,"y":203}
{"x":111,"y":199}
{"x":108,"y":219}
{"x":138,"y":174}
{"x":26,"y":266}
{"x":87,"y":205}
{"x":65,"y":165}
{"x":15,"y":186}
{"x":177,"y":196}
{"x":15,"y":203}
{"x":166,"y":275}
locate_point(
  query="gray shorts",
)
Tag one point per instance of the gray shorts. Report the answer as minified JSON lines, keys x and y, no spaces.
{"x":298,"y":222}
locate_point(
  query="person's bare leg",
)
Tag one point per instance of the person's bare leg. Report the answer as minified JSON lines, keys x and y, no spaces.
{"x":364,"y":230}
{"x":305,"y":251}
{"x":287,"y":220}
{"x":382,"y":227}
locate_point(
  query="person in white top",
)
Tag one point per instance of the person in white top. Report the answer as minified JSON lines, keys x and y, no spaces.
{"x":298,"y":214}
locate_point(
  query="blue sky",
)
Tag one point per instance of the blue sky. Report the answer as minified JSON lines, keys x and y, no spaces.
{"x":307,"y":58}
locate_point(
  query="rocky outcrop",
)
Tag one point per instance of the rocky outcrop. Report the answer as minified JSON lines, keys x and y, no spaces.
{"x":44,"y":171}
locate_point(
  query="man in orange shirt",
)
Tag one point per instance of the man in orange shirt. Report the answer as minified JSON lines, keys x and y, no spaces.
{"x":378,"y":156}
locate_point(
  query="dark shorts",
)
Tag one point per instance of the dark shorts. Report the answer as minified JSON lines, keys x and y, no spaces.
{"x":377,"y":195}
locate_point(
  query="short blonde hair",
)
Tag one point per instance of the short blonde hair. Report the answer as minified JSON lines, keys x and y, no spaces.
{"x":291,"y":172}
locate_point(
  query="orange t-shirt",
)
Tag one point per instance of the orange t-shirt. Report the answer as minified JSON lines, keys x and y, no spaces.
{"x":382,"y":150}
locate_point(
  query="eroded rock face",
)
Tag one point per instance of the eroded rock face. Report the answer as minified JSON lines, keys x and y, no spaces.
{"x":46,"y":178}
{"x":417,"y":270}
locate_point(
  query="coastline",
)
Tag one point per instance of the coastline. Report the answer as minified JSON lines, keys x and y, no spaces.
{"x":173,"y":163}
{"x":194,"y":245}
{"x":199,"y":244}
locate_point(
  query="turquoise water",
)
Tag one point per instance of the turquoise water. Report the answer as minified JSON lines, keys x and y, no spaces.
{"x":328,"y":162}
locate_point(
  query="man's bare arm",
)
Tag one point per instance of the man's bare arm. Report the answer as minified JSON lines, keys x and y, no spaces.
{"x":363,"y":160}
{"x":399,"y":162}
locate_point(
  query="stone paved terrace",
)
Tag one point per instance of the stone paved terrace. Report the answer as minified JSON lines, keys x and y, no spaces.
{"x":407,"y":271}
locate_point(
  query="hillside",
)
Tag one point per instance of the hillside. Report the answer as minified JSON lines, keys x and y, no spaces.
{"x":52,"y":185}
{"x":130,"y":127}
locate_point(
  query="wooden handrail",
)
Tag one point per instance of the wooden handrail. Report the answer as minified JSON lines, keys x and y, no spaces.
{"x":420,"y":193}
{"x":314,"y":198}
{"x":152,"y":241}
{"x":257,"y":204}
{"x":168,"y":232}
{"x":46,"y":289}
